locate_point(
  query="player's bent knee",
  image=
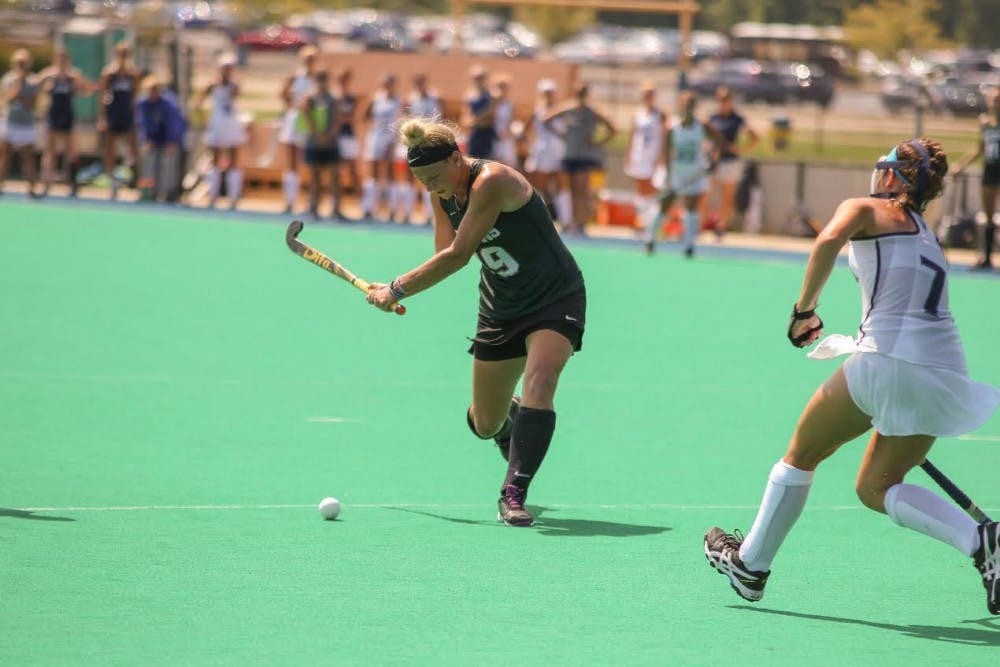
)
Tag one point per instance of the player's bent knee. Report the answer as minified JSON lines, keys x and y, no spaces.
{"x":483,"y":431}
{"x":871,"y":496}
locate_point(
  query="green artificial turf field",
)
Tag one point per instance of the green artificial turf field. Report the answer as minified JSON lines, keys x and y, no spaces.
{"x":179,"y":391}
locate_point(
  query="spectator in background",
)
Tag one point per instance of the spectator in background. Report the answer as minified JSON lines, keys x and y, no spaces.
{"x":504,"y":145}
{"x":161,"y":126}
{"x":728,"y":168}
{"x":116,"y":114}
{"x":321,"y":112}
{"x":989,"y":148}
{"x":295,"y":89}
{"x":584,"y":131}
{"x":224,"y":133}
{"x":347,"y":140}
{"x":380,"y":143}
{"x":19,"y":92}
{"x":477,"y":117}
{"x":62,"y":82}
{"x":545,"y":153}
{"x":644,"y":154}
{"x":422,"y":103}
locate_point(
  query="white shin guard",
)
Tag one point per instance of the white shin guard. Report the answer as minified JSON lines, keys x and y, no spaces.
{"x":924,"y":511}
{"x":784,"y":499}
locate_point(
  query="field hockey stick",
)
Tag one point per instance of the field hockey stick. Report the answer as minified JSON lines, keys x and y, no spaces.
{"x":956,"y":493}
{"x":322,"y":261}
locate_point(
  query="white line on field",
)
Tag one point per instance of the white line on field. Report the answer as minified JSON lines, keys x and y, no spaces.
{"x":334,"y":420}
{"x":980,"y":438}
{"x":154,"y":508}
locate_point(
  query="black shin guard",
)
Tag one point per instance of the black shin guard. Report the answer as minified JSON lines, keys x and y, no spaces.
{"x":529,"y":443}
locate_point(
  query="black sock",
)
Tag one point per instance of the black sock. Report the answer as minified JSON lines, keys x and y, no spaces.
{"x":989,"y":235}
{"x":528,"y":445}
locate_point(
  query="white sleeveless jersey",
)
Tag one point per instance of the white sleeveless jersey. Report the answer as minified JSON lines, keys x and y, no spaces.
{"x":223,"y":99}
{"x":385,"y":112}
{"x":302,"y":86}
{"x":904,"y":298}
{"x":428,"y":106}
{"x":646,"y":147}
{"x":503,"y":116}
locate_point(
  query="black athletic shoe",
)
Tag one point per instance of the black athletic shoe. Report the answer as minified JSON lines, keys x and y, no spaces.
{"x":511,"y":507}
{"x":503,"y":437}
{"x":723,"y":553}
{"x":987,"y":559}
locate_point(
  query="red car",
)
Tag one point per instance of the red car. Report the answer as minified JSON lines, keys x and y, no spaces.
{"x":272,"y":38}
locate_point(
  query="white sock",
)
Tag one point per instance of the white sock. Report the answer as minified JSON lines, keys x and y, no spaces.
{"x":290,"y":184}
{"x":214,"y":183}
{"x":690,"y":229}
{"x":924,"y":511}
{"x":234,"y":184}
{"x":784,"y":498}
{"x":368,"y":196}
{"x":564,"y":207}
{"x":649,"y":215}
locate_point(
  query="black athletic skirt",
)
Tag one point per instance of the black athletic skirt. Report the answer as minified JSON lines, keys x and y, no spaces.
{"x":500,"y":340}
{"x":991,"y":174}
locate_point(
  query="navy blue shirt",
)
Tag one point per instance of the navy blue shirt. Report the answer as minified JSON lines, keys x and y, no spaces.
{"x":728,"y":126}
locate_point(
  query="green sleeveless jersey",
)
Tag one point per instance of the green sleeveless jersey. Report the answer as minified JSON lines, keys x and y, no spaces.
{"x":526,"y":266}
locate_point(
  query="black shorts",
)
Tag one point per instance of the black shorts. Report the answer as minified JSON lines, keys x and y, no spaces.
{"x":316,"y":156}
{"x":61,"y":122}
{"x":577,"y":165}
{"x":499,"y":341}
{"x":120,"y":123}
{"x":991,"y":175}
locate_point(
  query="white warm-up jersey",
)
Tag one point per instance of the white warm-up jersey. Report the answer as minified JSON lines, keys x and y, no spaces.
{"x":904,"y":298}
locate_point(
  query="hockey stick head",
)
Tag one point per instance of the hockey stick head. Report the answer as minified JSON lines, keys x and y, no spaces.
{"x":293,"y":231}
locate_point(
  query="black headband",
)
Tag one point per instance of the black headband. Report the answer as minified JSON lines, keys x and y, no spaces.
{"x":421,"y":156}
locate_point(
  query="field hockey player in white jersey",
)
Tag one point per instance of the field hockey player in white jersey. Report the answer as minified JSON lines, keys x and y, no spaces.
{"x":291,"y":135}
{"x":906,"y":377}
{"x":224,"y":133}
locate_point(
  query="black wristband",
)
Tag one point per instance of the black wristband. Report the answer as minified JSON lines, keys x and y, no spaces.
{"x":802,"y":314}
{"x":396,"y":290}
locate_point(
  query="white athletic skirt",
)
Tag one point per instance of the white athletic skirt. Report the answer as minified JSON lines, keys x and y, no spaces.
{"x":544,"y":158}
{"x":348,"y":146}
{"x":289,"y":133}
{"x":641,"y":164}
{"x":20,"y":136}
{"x":379,"y":145}
{"x":225,"y":131}
{"x":688,"y":182}
{"x":909,"y":399}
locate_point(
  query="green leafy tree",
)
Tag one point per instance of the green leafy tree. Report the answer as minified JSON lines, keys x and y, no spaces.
{"x":887,"y":26}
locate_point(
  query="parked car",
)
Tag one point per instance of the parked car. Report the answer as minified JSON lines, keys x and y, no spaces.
{"x":272,"y":38}
{"x":807,"y":82}
{"x":900,"y":93}
{"x":963,"y":95}
{"x":749,"y":80}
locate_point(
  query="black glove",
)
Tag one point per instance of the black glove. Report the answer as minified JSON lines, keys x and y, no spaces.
{"x":797,"y":315}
